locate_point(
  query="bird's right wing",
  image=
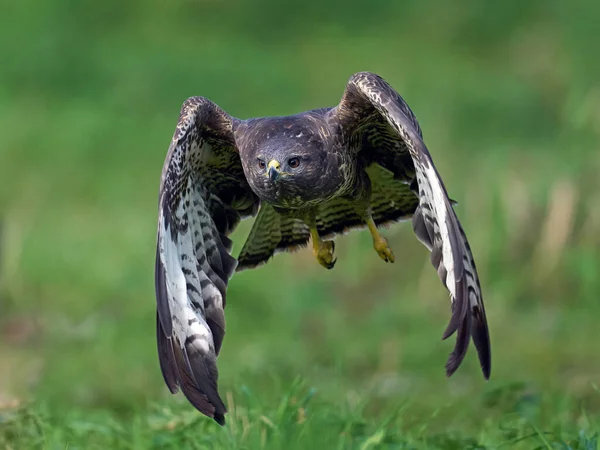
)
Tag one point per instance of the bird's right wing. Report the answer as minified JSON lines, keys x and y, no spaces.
{"x":203,"y":196}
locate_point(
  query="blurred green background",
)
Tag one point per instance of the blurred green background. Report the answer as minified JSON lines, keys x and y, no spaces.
{"x":508,"y":96}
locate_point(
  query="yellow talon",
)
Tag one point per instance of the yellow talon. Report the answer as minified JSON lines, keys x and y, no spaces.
{"x":323,"y":250}
{"x":380,"y":244}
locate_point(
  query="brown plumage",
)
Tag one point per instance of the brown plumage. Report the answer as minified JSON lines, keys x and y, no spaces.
{"x":307,"y":177}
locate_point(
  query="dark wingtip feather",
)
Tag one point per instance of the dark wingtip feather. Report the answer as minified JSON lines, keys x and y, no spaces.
{"x":219,"y":418}
{"x":198,"y":382}
{"x":460,"y":308}
{"x":460,"y":349}
{"x":451,"y":365}
{"x":462,"y":337}
{"x":485,"y":361}
{"x":450,"y":330}
{"x":166,"y":358}
{"x":212,"y":407}
{"x":481,"y":339}
{"x":486,"y":372}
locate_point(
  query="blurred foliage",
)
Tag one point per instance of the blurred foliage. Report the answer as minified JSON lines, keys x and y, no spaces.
{"x":508,"y":96}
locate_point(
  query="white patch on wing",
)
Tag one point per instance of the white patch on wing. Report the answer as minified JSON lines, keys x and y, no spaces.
{"x":439,"y":207}
{"x":438,"y":202}
{"x":199,"y":329}
{"x":187,"y":321}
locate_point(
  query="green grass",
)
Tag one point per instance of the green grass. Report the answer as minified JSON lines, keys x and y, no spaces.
{"x":507,"y":95}
{"x":299,"y":420}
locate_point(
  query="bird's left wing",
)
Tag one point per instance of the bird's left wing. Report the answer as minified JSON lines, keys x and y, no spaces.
{"x":372,"y":113}
{"x":203,"y":196}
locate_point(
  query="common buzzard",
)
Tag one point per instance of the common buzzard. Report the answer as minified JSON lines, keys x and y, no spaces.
{"x":310,"y":176}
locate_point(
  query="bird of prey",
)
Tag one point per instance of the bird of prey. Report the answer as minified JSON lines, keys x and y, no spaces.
{"x":306,"y":177}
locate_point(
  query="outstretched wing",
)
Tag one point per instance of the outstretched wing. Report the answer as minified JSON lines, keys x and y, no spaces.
{"x":203,"y":196}
{"x":374,"y":115}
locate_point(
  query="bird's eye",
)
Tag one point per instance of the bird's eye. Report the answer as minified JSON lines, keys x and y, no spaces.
{"x":294,"y":162}
{"x":261,"y":164}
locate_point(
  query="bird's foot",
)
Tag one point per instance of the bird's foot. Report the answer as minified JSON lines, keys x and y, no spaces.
{"x":383,"y":249}
{"x":380,"y":244}
{"x":324,"y":254}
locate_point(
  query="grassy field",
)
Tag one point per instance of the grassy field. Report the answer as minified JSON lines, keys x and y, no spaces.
{"x":508,"y":97}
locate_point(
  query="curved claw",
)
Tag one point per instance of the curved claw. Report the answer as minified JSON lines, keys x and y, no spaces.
{"x":380,"y":244}
{"x":383,"y":249}
{"x":324,"y":254}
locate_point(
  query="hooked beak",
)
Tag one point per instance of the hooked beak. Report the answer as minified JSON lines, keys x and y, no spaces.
{"x":273,"y":170}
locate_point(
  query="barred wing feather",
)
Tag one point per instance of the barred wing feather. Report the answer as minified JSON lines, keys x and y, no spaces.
{"x":434,"y":220}
{"x":202,"y":198}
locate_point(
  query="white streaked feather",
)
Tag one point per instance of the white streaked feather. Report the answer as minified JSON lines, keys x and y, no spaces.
{"x":439,"y":205}
{"x":209,"y":291}
{"x":186,"y":321}
{"x":203,"y":337}
{"x":429,"y":181}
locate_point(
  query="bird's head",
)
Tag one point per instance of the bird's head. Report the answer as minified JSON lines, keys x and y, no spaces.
{"x":291,"y":167}
{"x":289,"y":175}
